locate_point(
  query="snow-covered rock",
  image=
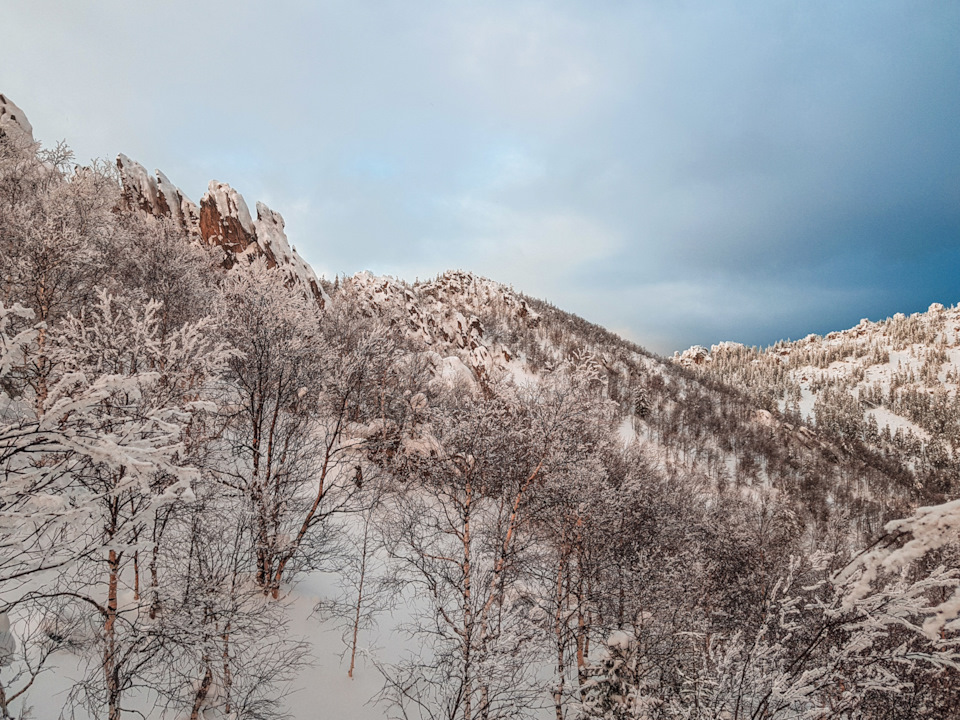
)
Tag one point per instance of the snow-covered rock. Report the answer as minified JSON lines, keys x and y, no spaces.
{"x":138,"y":189}
{"x":273,"y":243}
{"x":13,"y":120}
{"x":155,"y":196}
{"x":225,"y":221}
{"x":172,"y":203}
{"x":444,"y":314}
{"x":696,"y":355}
{"x":222,"y":220}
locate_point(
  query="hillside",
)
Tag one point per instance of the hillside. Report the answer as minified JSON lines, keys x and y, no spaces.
{"x":214,"y":462}
{"x":890,"y":386}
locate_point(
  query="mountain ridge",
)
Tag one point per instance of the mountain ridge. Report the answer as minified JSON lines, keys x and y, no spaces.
{"x":489,"y":330}
{"x":197,"y":431}
{"x":482,"y":330}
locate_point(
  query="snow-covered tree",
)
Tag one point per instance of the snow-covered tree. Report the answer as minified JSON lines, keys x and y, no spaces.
{"x":305,"y":402}
{"x":461,"y":532}
{"x":86,"y":468}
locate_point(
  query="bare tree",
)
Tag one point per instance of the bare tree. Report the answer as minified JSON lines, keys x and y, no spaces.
{"x":306,"y":402}
{"x":459,"y":533}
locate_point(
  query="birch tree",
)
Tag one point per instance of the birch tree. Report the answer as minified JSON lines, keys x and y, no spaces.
{"x":306,"y":400}
{"x":86,"y":474}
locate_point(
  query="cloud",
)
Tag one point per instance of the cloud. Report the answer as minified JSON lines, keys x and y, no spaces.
{"x":525,"y":247}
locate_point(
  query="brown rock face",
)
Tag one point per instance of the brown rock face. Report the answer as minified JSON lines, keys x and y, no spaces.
{"x":158,"y":197}
{"x":222,"y":220}
{"x":225,"y":221}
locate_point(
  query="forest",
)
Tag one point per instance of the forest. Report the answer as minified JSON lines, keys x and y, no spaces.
{"x":575,"y":528}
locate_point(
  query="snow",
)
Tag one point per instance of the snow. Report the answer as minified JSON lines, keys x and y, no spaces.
{"x":230,"y":203}
{"x":452,"y":370}
{"x":322,"y":688}
{"x":886,"y":417}
{"x":136,"y":176}
{"x":807,"y":400}
{"x":12,"y":118}
{"x":424,"y":446}
{"x":626,"y":432}
{"x":620,"y":639}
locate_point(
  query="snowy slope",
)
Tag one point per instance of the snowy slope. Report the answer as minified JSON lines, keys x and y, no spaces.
{"x":892,"y":384}
{"x":771,"y":424}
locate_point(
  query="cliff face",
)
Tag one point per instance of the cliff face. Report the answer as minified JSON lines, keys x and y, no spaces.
{"x":222,"y":220}
{"x":155,"y":196}
{"x":225,"y":221}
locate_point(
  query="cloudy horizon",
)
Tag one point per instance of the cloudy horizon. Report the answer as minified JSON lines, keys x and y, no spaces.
{"x":681,"y":174}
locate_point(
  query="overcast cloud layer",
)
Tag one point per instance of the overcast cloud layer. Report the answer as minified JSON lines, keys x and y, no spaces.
{"x":683,"y":172}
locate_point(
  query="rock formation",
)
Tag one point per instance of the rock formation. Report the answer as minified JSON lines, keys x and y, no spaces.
{"x":225,"y":222}
{"x":13,"y":121}
{"x":222,"y":220}
{"x":158,"y":197}
{"x":444,"y":314}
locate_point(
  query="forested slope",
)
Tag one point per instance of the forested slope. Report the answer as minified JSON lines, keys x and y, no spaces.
{"x":192,"y":424}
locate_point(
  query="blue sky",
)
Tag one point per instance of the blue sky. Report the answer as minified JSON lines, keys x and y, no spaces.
{"x":682,"y":172}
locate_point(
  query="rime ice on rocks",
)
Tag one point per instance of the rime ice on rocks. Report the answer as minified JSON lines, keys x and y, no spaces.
{"x":13,"y":120}
{"x":158,"y":197}
{"x":223,"y":220}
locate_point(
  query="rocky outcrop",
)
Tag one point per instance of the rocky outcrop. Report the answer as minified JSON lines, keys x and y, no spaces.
{"x":273,"y":243}
{"x":155,"y":196}
{"x":172,"y":203}
{"x":222,"y":221}
{"x":444,"y":314}
{"x":696,"y":355}
{"x":138,"y":189}
{"x":13,"y":122}
{"x":226,"y":223}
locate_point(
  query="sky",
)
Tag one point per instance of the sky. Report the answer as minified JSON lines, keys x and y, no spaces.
{"x":679,"y":172}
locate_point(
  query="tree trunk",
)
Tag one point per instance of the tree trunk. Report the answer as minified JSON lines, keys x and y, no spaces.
{"x":467,"y":608}
{"x":201,"y":696}
{"x":227,"y":675}
{"x":560,"y":628}
{"x":109,"y":640}
{"x":356,"y":617}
